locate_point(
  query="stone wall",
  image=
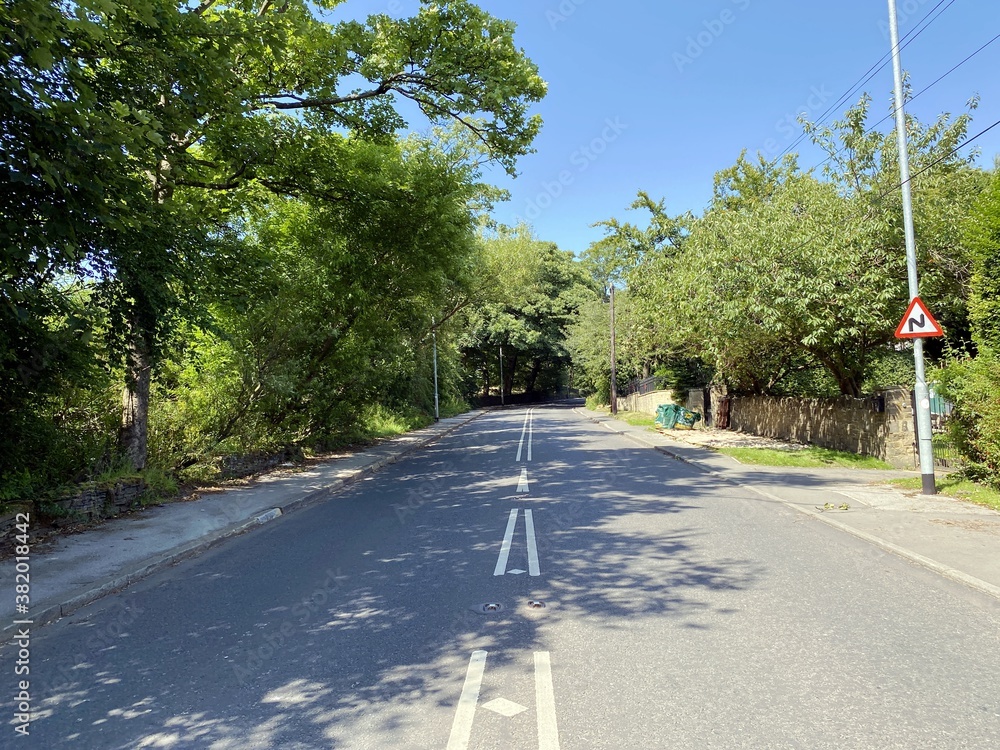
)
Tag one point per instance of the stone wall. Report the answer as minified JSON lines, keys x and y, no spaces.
{"x":235,"y":467}
{"x":645,"y":404}
{"x":101,"y":502}
{"x":845,"y":423}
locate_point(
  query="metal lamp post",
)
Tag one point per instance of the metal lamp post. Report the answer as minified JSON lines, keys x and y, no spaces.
{"x":924,"y":440}
{"x":614,"y":373}
{"x":437,"y":410}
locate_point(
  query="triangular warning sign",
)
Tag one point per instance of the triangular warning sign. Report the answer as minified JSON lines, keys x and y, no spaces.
{"x":918,"y":323}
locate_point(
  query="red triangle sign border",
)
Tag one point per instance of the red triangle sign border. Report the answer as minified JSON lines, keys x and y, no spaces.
{"x":928,"y":326}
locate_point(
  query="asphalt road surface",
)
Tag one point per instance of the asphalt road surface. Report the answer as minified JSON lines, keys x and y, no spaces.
{"x":531,"y":581}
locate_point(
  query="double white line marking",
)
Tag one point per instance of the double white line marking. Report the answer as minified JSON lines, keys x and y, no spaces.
{"x":545,"y":703}
{"x":508,"y":537}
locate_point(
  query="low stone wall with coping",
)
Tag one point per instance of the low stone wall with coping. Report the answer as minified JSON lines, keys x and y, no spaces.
{"x":645,"y":404}
{"x":880,"y":426}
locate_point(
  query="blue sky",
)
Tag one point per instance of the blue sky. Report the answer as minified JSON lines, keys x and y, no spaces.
{"x":659,"y":96}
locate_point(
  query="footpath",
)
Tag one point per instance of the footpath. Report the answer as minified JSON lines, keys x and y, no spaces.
{"x":69,"y":572}
{"x":957,"y":539}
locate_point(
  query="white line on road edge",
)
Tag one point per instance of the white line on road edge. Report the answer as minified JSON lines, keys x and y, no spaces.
{"x":947,"y":571}
{"x":545,"y":703}
{"x":529,"y":526}
{"x":508,"y":537}
{"x":524,"y":431}
{"x":461,"y":729}
{"x":522,"y":483}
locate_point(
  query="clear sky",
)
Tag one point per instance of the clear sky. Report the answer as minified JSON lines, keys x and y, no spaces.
{"x":659,"y":96}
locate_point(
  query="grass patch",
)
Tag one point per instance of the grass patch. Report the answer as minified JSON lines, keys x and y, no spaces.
{"x":380,"y":422}
{"x":956,"y":486}
{"x":806,"y":458}
{"x":595,"y":404}
{"x":637,"y":419}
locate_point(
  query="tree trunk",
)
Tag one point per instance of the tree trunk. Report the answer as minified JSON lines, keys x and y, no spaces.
{"x":508,"y":375}
{"x":134,"y":432}
{"x":848,"y":381}
{"x":536,"y":366}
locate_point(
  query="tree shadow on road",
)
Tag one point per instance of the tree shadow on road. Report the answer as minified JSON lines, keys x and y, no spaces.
{"x":361,"y":639}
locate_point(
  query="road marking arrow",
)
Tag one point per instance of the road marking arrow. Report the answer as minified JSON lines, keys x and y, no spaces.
{"x":504,"y":707}
{"x":508,"y":539}
{"x":545,"y":703}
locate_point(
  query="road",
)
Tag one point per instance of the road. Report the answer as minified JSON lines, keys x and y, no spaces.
{"x":669,"y":611}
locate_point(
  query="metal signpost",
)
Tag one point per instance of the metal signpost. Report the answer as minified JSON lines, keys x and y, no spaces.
{"x":924,"y":443}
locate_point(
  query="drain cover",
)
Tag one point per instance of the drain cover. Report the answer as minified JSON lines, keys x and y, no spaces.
{"x":536,"y":605}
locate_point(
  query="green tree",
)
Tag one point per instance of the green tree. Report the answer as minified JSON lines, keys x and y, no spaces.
{"x":538,"y":289}
{"x":631,"y":257}
{"x":786,"y":273}
{"x":334,"y":301}
{"x":173,"y":99}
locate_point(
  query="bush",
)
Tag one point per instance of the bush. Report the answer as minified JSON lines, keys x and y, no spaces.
{"x":683,"y":375}
{"x":972,"y":385}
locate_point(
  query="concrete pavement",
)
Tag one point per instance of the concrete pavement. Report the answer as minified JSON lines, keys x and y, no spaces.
{"x":952,"y":537}
{"x":72,"y":571}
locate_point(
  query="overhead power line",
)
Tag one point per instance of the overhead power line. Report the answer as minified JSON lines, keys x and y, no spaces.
{"x":915,"y":97}
{"x":882,"y":196}
{"x":934,"y":163}
{"x":877,"y":68}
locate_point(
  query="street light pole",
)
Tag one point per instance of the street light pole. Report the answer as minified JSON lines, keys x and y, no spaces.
{"x":437,"y":410}
{"x":614,"y":373}
{"x":924,"y":440}
{"x":501,"y":375}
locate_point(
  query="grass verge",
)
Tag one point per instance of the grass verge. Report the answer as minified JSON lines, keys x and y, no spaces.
{"x":955,"y":486}
{"x":806,"y":458}
{"x":634,"y":418}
